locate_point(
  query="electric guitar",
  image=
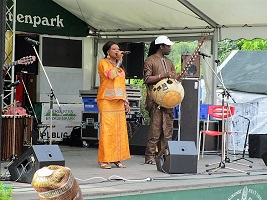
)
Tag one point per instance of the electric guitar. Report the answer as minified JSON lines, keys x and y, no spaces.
{"x":23,"y":61}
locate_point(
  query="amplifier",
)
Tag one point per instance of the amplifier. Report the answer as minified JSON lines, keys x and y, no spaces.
{"x":257,"y":145}
{"x":90,"y":126}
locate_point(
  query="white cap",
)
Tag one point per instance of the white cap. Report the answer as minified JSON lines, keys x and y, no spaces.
{"x":163,"y":40}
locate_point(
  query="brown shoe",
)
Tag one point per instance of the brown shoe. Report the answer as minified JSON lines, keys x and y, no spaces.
{"x":104,"y":166}
{"x":119,"y":164}
{"x":150,"y":162}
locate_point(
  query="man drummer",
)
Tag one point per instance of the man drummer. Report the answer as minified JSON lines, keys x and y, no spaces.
{"x":157,"y":67}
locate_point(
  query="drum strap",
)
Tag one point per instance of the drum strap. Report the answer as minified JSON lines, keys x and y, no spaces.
{"x":164,"y":64}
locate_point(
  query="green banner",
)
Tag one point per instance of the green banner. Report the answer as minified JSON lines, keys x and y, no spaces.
{"x":240,"y":192}
{"x":45,"y":17}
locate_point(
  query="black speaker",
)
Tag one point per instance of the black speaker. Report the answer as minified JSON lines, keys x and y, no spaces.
{"x":138,"y":141}
{"x":133,"y":62}
{"x":189,"y":110}
{"x":36,"y":157}
{"x":179,"y":157}
{"x":257,"y":145}
{"x":193,"y":70}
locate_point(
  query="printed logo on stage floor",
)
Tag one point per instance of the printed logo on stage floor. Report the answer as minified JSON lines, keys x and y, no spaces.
{"x":245,"y":194}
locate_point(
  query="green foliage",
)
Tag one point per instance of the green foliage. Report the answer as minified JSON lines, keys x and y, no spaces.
{"x":225,"y":47}
{"x":179,"y":49}
{"x":140,"y":84}
{"x":255,"y":44}
{"x":5,"y":192}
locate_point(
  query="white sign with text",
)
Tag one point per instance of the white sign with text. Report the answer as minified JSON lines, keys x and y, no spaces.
{"x":62,"y":122}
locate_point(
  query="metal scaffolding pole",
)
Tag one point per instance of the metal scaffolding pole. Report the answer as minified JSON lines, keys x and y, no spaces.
{"x":9,"y":33}
{"x":2,"y":55}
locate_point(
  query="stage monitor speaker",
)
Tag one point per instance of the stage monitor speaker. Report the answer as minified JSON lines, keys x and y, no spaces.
{"x":34,"y":158}
{"x":257,"y":145}
{"x":193,"y":71}
{"x":133,"y":62}
{"x":138,"y":141}
{"x":179,"y":157}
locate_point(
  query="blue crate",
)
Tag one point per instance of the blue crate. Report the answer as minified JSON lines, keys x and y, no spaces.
{"x":203,"y":111}
{"x":90,"y":104}
{"x":176,"y":111}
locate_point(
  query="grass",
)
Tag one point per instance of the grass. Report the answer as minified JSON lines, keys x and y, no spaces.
{"x":5,"y":192}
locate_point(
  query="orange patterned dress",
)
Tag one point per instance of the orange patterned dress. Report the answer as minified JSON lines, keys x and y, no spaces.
{"x":113,"y":141}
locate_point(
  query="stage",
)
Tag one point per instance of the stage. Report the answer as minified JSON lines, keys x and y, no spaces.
{"x":140,"y":181}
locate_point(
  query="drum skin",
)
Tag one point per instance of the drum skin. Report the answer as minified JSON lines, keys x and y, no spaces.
{"x":168,"y":93}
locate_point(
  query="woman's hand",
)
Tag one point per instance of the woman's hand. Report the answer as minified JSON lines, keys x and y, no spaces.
{"x":127,"y":108}
{"x":119,"y":55}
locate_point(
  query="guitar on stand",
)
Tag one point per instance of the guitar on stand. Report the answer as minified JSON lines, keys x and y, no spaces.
{"x":23,"y":61}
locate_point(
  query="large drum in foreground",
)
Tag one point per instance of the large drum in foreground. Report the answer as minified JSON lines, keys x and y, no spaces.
{"x":168,"y":93}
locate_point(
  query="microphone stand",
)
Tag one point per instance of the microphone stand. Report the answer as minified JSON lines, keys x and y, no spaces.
{"x":224,"y":158}
{"x":29,"y":99}
{"x":247,"y":131}
{"x":52,"y":95}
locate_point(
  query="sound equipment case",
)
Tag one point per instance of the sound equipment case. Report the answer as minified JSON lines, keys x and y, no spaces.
{"x":90,"y":126}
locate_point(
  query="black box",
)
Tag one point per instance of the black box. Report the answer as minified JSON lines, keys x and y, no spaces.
{"x":36,"y":157}
{"x":90,"y":126}
{"x":179,"y":157}
{"x":257,"y":145}
{"x":138,"y":141}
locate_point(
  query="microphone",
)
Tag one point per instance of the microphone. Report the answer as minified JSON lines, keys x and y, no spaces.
{"x":217,"y":61}
{"x":203,"y":54}
{"x":31,"y":41}
{"x":16,"y":83}
{"x":125,"y":52}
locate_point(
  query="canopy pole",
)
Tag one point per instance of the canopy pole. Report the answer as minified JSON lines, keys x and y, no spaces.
{"x":2,"y":60}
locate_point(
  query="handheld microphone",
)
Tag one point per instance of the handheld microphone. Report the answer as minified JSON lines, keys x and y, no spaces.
{"x":125,"y":52}
{"x":16,"y":83}
{"x":203,"y":54}
{"x":31,"y":41}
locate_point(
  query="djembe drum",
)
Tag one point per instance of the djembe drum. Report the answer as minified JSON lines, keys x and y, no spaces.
{"x":28,"y":126}
{"x":12,"y":142}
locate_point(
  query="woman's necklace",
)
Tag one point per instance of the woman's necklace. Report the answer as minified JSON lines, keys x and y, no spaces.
{"x":115,"y":65}
{"x":112,"y":62}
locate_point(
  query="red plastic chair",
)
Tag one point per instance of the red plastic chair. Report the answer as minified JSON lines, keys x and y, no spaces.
{"x":224,"y":113}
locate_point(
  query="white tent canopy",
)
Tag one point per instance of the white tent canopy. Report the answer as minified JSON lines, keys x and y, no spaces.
{"x":143,"y":20}
{"x":115,"y":18}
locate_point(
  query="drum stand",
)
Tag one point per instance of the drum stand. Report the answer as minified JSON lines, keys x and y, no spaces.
{"x":13,"y":156}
